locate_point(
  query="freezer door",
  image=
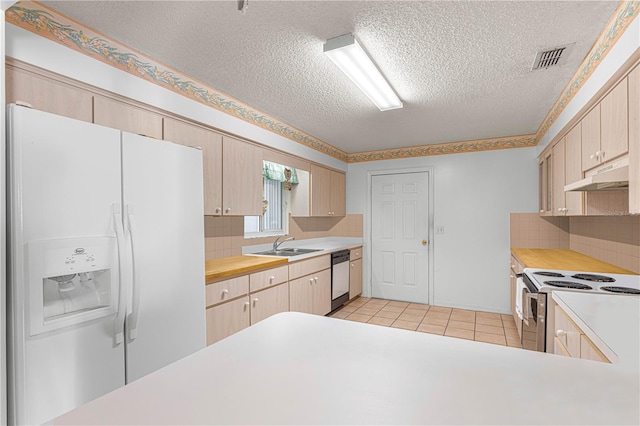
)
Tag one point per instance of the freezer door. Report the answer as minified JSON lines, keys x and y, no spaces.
{"x":164,"y":220}
{"x":64,"y":178}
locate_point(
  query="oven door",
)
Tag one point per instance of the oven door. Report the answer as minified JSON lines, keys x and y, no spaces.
{"x":534,"y":317}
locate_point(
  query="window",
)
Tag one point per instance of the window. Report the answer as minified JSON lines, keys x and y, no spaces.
{"x":275,"y":203}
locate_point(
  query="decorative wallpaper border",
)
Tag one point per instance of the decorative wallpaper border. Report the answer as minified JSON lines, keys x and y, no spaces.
{"x":446,"y":148}
{"x":48,"y":23}
{"x":626,"y":12}
{"x":54,"y":26}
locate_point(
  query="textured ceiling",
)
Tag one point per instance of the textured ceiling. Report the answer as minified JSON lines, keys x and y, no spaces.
{"x":462,"y":69}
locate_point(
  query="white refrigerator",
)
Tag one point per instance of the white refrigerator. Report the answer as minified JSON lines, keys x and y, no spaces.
{"x":106,"y":260}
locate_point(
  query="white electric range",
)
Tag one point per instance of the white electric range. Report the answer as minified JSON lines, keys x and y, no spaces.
{"x":534,"y":286}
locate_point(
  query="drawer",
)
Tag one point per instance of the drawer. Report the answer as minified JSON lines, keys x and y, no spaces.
{"x":567,"y":332}
{"x":517,"y":267}
{"x":226,"y":290}
{"x":268,"y":278}
{"x":309,"y":266}
{"x":355,"y":253}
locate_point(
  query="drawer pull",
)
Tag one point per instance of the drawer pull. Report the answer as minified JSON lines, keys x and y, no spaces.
{"x":272,"y":278}
{"x":225,"y":291}
{"x":560,"y":333}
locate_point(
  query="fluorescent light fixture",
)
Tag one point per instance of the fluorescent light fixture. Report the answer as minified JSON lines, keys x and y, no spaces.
{"x":353,"y":60}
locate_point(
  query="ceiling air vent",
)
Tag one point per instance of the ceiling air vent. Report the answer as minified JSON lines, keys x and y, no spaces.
{"x":552,"y":57}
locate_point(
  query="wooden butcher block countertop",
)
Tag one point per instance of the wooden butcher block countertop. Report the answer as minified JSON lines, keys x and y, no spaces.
{"x":236,"y":265}
{"x":563,"y":259}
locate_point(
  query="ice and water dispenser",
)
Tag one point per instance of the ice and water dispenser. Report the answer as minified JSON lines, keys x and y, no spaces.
{"x":71,"y":281}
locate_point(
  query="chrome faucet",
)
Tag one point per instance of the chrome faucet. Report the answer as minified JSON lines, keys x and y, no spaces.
{"x":276,"y":244}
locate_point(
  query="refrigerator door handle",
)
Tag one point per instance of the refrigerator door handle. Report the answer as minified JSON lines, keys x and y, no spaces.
{"x":122,"y":308}
{"x":132,"y":317}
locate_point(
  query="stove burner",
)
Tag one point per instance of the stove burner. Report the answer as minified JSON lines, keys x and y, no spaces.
{"x":548,"y":274}
{"x":569,"y":284}
{"x":594,"y":278}
{"x":624,"y":290}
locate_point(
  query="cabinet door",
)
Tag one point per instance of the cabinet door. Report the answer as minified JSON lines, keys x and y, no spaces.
{"x":591,"y":138}
{"x":320,"y":191}
{"x":573,"y":170}
{"x":634,"y":141}
{"x":338,"y":194}
{"x":614,"y":123}
{"x":301,"y":294}
{"x":228,"y":318}
{"x":322,"y":292}
{"x":242,"y":178}
{"x":211,"y":145}
{"x":119,"y":115}
{"x":48,"y":95}
{"x":355,"y":278}
{"x":545,"y":191}
{"x":589,"y":351}
{"x":269,"y":302}
{"x":557,"y":176}
{"x":567,"y":332}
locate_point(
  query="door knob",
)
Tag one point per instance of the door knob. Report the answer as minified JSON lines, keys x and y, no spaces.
{"x":424,"y":242}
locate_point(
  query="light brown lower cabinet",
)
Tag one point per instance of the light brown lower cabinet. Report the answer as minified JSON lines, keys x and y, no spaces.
{"x":269,"y":302}
{"x":355,"y":278}
{"x":226,"y":319}
{"x":311,"y":293}
{"x":569,"y":339}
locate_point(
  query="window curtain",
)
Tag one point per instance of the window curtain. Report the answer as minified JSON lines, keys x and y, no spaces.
{"x":274,"y":171}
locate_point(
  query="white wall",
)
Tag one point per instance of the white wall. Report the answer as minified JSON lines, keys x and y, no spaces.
{"x":474,"y":193}
{"x":39,"y":51}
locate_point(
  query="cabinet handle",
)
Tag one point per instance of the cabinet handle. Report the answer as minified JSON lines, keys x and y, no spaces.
{"x":592,"y":156}
{"x":271,"y":278}
{"x":225,"y":291}
{"x":353,"y":265}
{"x":255,"y":301}
{"x":541,"y":210}
{"x":218,"y":209}
{"x":311,"y":281}
{"x":512,"y":276}
{"x":227,"y":210}
{"x":600,"y":154}
{"x":316,"y":280}
{"x":560,"y":332}
{"x":246,"y":305}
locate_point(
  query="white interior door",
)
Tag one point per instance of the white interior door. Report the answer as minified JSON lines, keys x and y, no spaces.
{"x":399,"y":236}
{"x":163,"y":213}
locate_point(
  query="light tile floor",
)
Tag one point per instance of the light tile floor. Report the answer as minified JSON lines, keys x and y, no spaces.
{"x":486,"y":327}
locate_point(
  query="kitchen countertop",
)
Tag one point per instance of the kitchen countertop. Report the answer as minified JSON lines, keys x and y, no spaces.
{"x":564,"y":259}
{"x":295,"y":368}
{"x":216,"y":269}
{"x":611,"y":321}
{"x":325,"y":245}
{"x":229,"y":266}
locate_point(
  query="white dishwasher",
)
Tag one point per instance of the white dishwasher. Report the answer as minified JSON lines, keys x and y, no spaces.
{"x":339,"y":278}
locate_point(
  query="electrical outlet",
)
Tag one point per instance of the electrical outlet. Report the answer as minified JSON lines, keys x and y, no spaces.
{"x":440,"y":229}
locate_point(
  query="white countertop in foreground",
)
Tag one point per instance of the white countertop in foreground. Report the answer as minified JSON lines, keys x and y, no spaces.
{"x":295,"y":368}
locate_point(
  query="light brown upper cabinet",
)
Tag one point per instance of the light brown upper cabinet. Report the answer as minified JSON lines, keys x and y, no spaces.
{"x":119,"y":115}
{"x":327,"y":192}
{"x":211,"y":144}
{"x":47,"y":95}
{"x":242,"y":185}
{"x":573,"y":171}
{"x":634,"y":141}
{"x":558,"y":178}
{"x":605,"y":129}
{"x":545,"y":192}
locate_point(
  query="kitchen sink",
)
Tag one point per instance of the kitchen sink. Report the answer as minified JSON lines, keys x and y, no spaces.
{"x":287,"y":252}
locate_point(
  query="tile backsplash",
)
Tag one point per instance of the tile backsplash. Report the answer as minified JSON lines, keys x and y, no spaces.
{"x":613,"y":239}
{"x":224,"y":236}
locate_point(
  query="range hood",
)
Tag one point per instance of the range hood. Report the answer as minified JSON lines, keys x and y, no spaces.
{"x":610,"y":177}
